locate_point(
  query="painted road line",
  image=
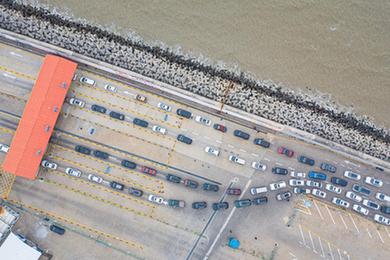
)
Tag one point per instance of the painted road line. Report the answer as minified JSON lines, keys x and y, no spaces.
{"x":342,"y":219}
{"x":256,"y":155}
{"x":312,"y":243}
{"x":330,"y":251}
{"x":195,"y":133}
{"x":368,"y":232}
{"x":319,"y":212}
{"x":218,"y":141}
{"x":387,"y":231}
{"x":338,"y":250}
{"x":242,"y":150}
{"x":331,"y":217}
{"x":266,"y":159}
{"x":354,"y":223}
{"x":278,"y":163}
{"x":302,"y":236}
{"x":293,"y":256}
{"x":231,"y":146}
{"x":379,"y":234}
{"x":322,"y":249}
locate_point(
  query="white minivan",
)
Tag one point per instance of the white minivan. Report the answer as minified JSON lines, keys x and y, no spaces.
{"x":258,"y":190}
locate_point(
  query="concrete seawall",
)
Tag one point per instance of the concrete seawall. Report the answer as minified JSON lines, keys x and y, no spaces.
{"x":262,"y":98}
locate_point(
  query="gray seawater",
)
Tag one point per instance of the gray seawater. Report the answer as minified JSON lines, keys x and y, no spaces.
{"x":337,"y":47}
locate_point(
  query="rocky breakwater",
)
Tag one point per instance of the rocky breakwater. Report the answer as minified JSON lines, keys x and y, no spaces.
{"x":311,"y":112}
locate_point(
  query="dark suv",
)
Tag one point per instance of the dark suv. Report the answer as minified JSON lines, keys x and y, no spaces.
{"x":57,"y":229}
{"x":262,"y":142}
{"x":140,"y":122}
{"x":306,"y":160}
{"x":241,"y":134}
{"x":83,"y":149}
{"x":361,"y":189}
{"x":99,"y":109}
{"x":191,"y":184}
{"x":385,"y":209}
{"x":210,"y":187}
{"x":242,"y":203}
{"x":173,"y":178}
{"x":183,"y":113}
{"x":328,"y":167}
{"x":128,"y":164}
{"x":280,"y":170}
{"x":117,"y":115}
{"x":184,"y":139}
{"x":100,"y":154}
{"x":116,"y":185}
{"x":135,"y":192}
{"x":199,"y":205}
{"x":260,"y":200}
{"x":220,"y":205}
{"x":338,"y":181}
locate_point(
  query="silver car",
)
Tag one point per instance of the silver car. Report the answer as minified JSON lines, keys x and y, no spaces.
{"x":259,"y":166}
{"x":95,"y":178}
{"x":340,"y":202}
{"x":73,"y":172}
{"x":164,"y":107}
{"x":110,"y":88}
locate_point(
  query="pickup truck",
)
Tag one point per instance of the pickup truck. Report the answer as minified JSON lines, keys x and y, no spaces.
{"x":176,"y":203}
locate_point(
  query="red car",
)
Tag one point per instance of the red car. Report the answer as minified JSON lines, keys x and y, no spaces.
{"x":148,"y":170}
{"x":219,"y":127}
{"x":285,"y":151}
{"x":233,"y":191}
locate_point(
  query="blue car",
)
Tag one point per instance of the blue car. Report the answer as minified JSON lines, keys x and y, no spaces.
{"x":317,"y":175}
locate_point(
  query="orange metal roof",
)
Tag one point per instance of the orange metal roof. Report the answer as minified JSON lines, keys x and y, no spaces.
{"x":39,"y":117}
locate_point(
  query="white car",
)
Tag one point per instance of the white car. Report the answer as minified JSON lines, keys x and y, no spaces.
{"x":164,"y":107}
{"x":340,"y":202}
{"x":313,"y":184}
{"x":382,"y":197}
{"x":156,"y":199}
{"x":236,"y":159}
{"x":258,"y":190}
{"x":382,"y":220}
{"x":77,"y":102}
{"x":87,"y":81}
{"x":49,"y":165}
{"x":203,"y":120}
{"x":360,"y":209}
{"x":111,"y":88}
{"x":352,"y":175}
{"x":4,"y":148}
{"x":319,"y":193}
{"x":374,"y":182}
{"x":211,"y":150}
{"x":353,"y":196}
{"x":73,"y":172}
{"x":259,"y":166}
{"x":371,"y":204}
{"x":299,"y":190}
{"x":95,"y":178}
{"x":333,"y":188}
{"x":278,"y":185}
{"x":298,"y":174}
{"x":296,"y":182}
{"x":159,"y":129}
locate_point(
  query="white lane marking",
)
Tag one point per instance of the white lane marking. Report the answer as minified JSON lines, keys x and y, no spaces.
{"x":291,"y":168}
{"x":330,"y":215}
{"x":388,"y":234}
{"x":242,"y":150}
{"x":354,"y":164}
{"x":256,"y":155}
{"x":277,"y":163}
{"x":369,"y":234}
{"x":322,"y":249}
{"x":9,"y":76}
{"x":343,"y":165}
{"x":128,"y":93}
{"x":15,"y":54}
{"x":195,"y":133}
{"x":312,"y":243}
{"x":293,"y":256}
{"x":330,"y":251}
{"x":319,"y":212}
{"x":218,"y":141}
{"x":379,"y":234}
{"x":231,"y":146}
{"x":338,"y":250}
{"x":348,"y":257}
{"x":345,"y":225}
{"x":303,"y":238}
{"x":354,"y":222}
{"x":266,"y":159}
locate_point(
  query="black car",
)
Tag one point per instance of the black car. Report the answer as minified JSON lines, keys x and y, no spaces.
{"x":128,"y":164}
{"x":184,"y":139}
{"x":210,"y":187}
{"x":83,"y":149}
{"x":140,"y":122}
{"x":262,"y":142}
{"x":136,"y":192}
{"x":99,"y":109}
{"x":241,"y":134}
{"x":57,"y":229}
{"x":173,"y":178}
{"x":191,"y":184}
{"x":116,"y":185}
{"x":220,"y":205}
{"x":117,"y":115}
{"x":100,"y":154}
{"x":242,"y":203}
{"x":328,"y":167}
{"x":361,"y":189}
{"x":183,"y":113}
{"x":260,"y":200}
{"x":306,"y":160}
{"x":280,"y":170}
{"x":338,"y":181}
{"x":199,"y":205}
{"x":385,"y":209}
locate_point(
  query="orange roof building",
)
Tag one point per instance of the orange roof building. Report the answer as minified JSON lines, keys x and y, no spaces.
{"x":39,"y":117}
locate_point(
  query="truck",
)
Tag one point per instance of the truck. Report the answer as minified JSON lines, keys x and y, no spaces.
{"x":176,"y":203}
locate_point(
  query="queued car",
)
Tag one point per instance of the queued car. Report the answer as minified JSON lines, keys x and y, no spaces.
{"x":159,"y":129}
{"x":317,"y":175}
{"x":199,"y":205}
{"x":176,"y":203}
{"x":173,"y":178}
{"x":49,"y":165}
{"x":328,"y":167}
{"x":57,"y":229}
{"x":360,"y":209}
{"x":299,"y":190}
{"x":183,"y":113}
{"x":191,"y":183}
{"x":286,"y":195}
{"x":311,"y":183}
{"x":318,"y":193}
{"x":259,"y":166}
{"x":101,"y":155}
{"x":220,"y":205}
{"x":258,"y":190}
{"x":340,"y":202}
{"x":382,"y":220}
{"x":99,"y":109}
{"x":385,"y":209}
{"x":110,"y":88}
{"x":298,"y":174}
{"x":77,"y":102}
{"x":306,"y":160}
{"x":382,"y":197}
{"x":333,"y":188}
{"x":361,"y":189}
{"x":233,"y":191}
{"x":242,"y":203}
{"x":116,"y":185}
{"x":278,"y":185}
{"x":236,"y":159}
{"x":155,"y":199}
{"x":285,"y":151}
{"x":128,"y":164}
{"x":148,"y":170}
{"x":374,"y":182}
{"x":220,"y":127}
{"x":211,"y":150}
{"x":95,"y":178}
{"x":73,"y":172}
{"x":353,"y":196}
{"x":338,"y":181}
{"x":140,"y":98}
{"x":4,"y":148}
{"x":260,"y":200}
{"x":296,"y":182}
{"x":164,"y":107}
{"x":135,"y":192}
{"x":83,"y":149}
{"x":87,"y":81}
{"x":352,"y":175}
{"x":141,"y":123}
{"x":262,"y":142}
{"x":203,"y":120}
{"x":184,"y":139}
{"x":280,"y":170}
{"x":241,"y":134}
{"x":117,"y":115}
{"x":371,"y":204}
{"x":210,"y":187}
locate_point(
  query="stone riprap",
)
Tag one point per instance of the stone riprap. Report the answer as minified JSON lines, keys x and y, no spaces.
{"x":311,"y":112}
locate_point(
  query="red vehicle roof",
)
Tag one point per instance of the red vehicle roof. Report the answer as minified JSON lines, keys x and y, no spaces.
{"x":39,"y":117}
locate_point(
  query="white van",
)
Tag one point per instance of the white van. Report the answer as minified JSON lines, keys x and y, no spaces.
{"x":258,"y":190}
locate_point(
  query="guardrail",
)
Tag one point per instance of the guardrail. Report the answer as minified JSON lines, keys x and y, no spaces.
{"x":230,"y":113}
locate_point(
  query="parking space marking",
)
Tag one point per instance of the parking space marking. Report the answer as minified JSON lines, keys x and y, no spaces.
{"x":266,"y":159}
{"x":342,"y":219}
{"x":369,"y":234}
{"x":302,"y":236}
{"x":319,"y":212}
{"x":379,"y":234}
{"x":218,"y":141}
{"x":256,"y":155}
{"x":230,"y":146}
{"x":338,"y":250}
{"x":312,"y":243}
{"x":293,"y":256}
{"x":242,"y":150}
{"x":322,"y":249}
{"x":330,"y":251}
{"x":331,"y":217}
{"x":278,"y":163}
{"x":387,"y":231}
{"x":354,"y":223}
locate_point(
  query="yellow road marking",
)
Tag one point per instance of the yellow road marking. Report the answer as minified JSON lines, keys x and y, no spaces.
{"x":17,"y":73}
